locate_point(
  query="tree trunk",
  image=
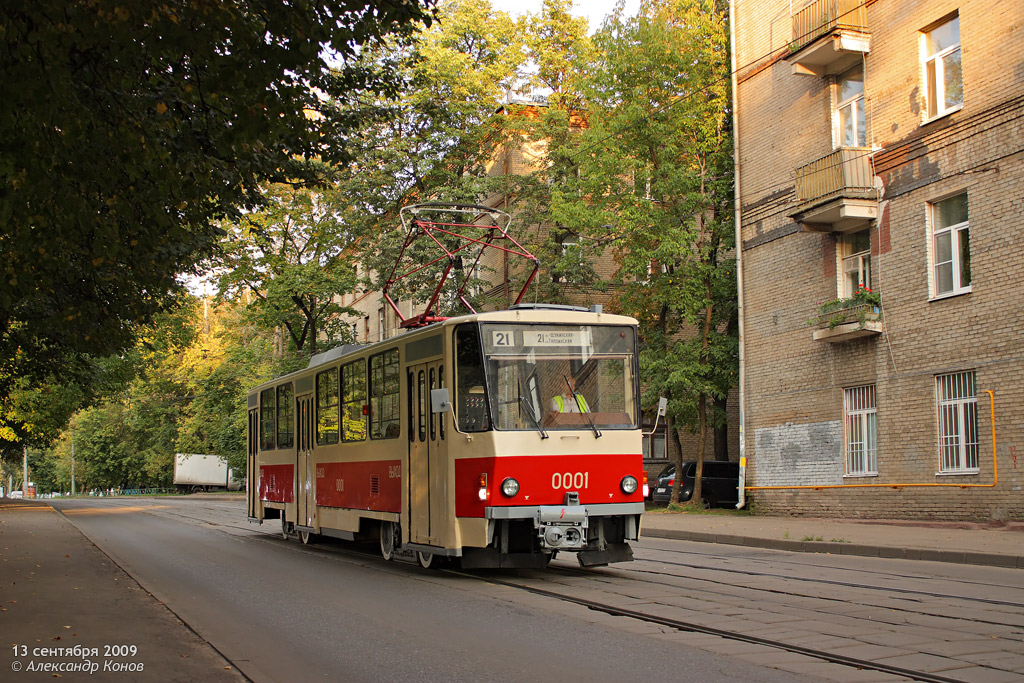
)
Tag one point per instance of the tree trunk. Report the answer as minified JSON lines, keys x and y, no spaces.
{"x":677,"y":459}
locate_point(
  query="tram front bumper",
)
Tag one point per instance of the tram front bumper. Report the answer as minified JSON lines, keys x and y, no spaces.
{"x":564,"y":527}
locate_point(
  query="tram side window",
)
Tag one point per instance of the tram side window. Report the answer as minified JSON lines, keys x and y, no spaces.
{"x":469,"y":381}
{"x":327,"y":407}
{"x":267,"y":419}
{"x":385,"y":411}
{"x":353,"y":401}
{"x":285,"y":416}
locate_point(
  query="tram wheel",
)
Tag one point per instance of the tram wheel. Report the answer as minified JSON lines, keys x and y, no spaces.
{"x":284,"y":527}
{"x":426,"y":560}
{"x":388,"y":533}
{"x":308,"y":537}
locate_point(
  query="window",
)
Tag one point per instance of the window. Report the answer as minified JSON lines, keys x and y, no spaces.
{"x":421,"y":404}
{"x":384,"y":385}
{"x":944,"y":87}
{"x":327,"y":407}
{"x":353,"y":401}
{"x":285,"y":416}
{"x":654,"y":445}
{"x":855,"y":261}
{"x":951,"y":246}
{"x":850,"y":108}
{"x":380,"y":324}
{"x":958,"y":423}
{"x":267,"y":419}
{"x":860,"y":444}
{"x":470,"y":399}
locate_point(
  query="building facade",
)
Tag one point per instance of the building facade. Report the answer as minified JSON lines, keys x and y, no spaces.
{"x":880,"y":149}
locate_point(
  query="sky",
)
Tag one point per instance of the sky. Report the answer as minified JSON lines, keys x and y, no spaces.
{"x":594,"y":10}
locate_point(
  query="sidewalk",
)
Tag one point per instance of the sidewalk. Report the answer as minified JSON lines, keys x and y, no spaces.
{"x":995,"y":544}
{"x":68,"y":608}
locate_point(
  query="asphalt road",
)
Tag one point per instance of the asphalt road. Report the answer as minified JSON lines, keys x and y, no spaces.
{"x":279,"y":611}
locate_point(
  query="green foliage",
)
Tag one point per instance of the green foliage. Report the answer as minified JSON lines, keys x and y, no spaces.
{"x":443,"y":130}
{"x":294,"y":257}
{"x":646,"y":175}
{"x":129,"y":128}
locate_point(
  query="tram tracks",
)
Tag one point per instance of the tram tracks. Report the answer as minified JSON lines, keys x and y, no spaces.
{"x":689,"y":626}
{"x":618,"y":580}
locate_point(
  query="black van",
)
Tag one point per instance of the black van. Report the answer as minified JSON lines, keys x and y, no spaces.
{"x":719,"y":485}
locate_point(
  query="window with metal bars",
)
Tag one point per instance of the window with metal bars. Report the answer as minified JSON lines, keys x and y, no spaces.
{"x":957,"y":400}
{"x":860,"y":444}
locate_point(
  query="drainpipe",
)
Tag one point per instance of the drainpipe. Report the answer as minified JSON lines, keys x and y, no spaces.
{"x":742,"y":498}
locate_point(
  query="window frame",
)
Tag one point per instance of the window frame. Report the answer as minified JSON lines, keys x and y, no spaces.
{"x":285,"y":420}
{"x":268,"y":419}
{"x":860,"y":419}
{"x":955,"y":251}
{"x":931,"y":100}
{"x":323,"y":433}
{"x":844,"y":253}
{"x":377,"y":399}
{"x":356,"y":368}
{"x":860,"y":112}
{"x":961,"y":414}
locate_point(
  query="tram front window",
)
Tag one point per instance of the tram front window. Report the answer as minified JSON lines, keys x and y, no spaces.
{"x":559,"y":376}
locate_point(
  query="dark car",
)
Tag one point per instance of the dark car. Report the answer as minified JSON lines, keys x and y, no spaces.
{"x":719,"y":485}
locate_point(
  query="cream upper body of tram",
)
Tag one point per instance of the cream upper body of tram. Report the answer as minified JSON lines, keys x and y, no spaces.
{"x":496,"y":438}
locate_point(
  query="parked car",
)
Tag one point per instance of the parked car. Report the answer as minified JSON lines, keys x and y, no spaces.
{"x":719,"y":485}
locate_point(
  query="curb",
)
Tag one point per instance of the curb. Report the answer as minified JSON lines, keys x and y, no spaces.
{"x":888,"y":552}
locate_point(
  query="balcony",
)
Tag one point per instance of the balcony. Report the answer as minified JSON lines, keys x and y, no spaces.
{"x":829,"y":37}
{"x":848,"y":323}
{"x":836,"y":193}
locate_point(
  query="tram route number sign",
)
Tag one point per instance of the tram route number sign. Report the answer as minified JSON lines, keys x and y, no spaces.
{"x":505,"y":339}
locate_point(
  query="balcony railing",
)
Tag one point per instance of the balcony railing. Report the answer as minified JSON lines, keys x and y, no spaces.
{"x":846,"y":170}
{"x":822,"y":16}
{"x":836,"y":193}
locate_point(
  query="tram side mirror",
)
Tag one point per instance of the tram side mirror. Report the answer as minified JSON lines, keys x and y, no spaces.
{"x":440,"y":401}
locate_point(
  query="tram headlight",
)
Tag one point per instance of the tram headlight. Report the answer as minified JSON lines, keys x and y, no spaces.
{"x":629,"y":484}
{"x":510,"y":487}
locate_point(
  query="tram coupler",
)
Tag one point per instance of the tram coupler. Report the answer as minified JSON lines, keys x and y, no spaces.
{"x":561,"y":527}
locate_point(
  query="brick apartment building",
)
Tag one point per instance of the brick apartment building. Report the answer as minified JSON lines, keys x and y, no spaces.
{"x":880,"y":146}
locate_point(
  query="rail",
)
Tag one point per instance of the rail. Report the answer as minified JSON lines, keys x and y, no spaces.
{"x":822,"y":16}
{"x":846,"y":170}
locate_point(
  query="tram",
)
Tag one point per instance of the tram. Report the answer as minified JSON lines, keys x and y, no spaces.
{"x":496,"y":439}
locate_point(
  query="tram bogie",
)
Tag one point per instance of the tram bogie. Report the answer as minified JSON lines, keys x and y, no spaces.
{"x":496,"y":439}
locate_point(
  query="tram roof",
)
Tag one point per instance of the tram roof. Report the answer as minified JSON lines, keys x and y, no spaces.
{"x":527,"y":313}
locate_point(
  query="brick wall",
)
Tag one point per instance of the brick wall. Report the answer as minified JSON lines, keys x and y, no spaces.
{"x":794,"y":392}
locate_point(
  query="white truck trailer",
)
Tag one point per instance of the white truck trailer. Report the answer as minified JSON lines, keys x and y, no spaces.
{"x":196,"y":472}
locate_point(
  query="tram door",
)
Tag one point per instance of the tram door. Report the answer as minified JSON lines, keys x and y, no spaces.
{"x":252,"y":474}
{"x":428,"y":471}
{"x":305,"y":482}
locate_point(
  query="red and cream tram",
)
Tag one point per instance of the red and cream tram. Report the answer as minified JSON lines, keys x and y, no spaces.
{"x":496,"y":438}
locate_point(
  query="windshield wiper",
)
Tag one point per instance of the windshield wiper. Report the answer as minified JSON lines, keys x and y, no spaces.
{"x":580,"y":403}
{"x":529,"y":412}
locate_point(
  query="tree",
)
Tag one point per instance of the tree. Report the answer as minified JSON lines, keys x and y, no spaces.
{"x":442,"y":133}
{"x":129,"y":128}
{"x":655,"y":173}
{"x":294,"y":257}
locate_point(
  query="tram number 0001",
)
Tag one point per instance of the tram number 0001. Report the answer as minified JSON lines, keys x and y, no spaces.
{"x":570,"y":480}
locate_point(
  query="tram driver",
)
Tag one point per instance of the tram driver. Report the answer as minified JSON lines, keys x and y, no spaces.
{"x":569,"y":400}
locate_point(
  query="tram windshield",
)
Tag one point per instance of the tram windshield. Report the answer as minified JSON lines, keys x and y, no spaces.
{"x":541,"y":377}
